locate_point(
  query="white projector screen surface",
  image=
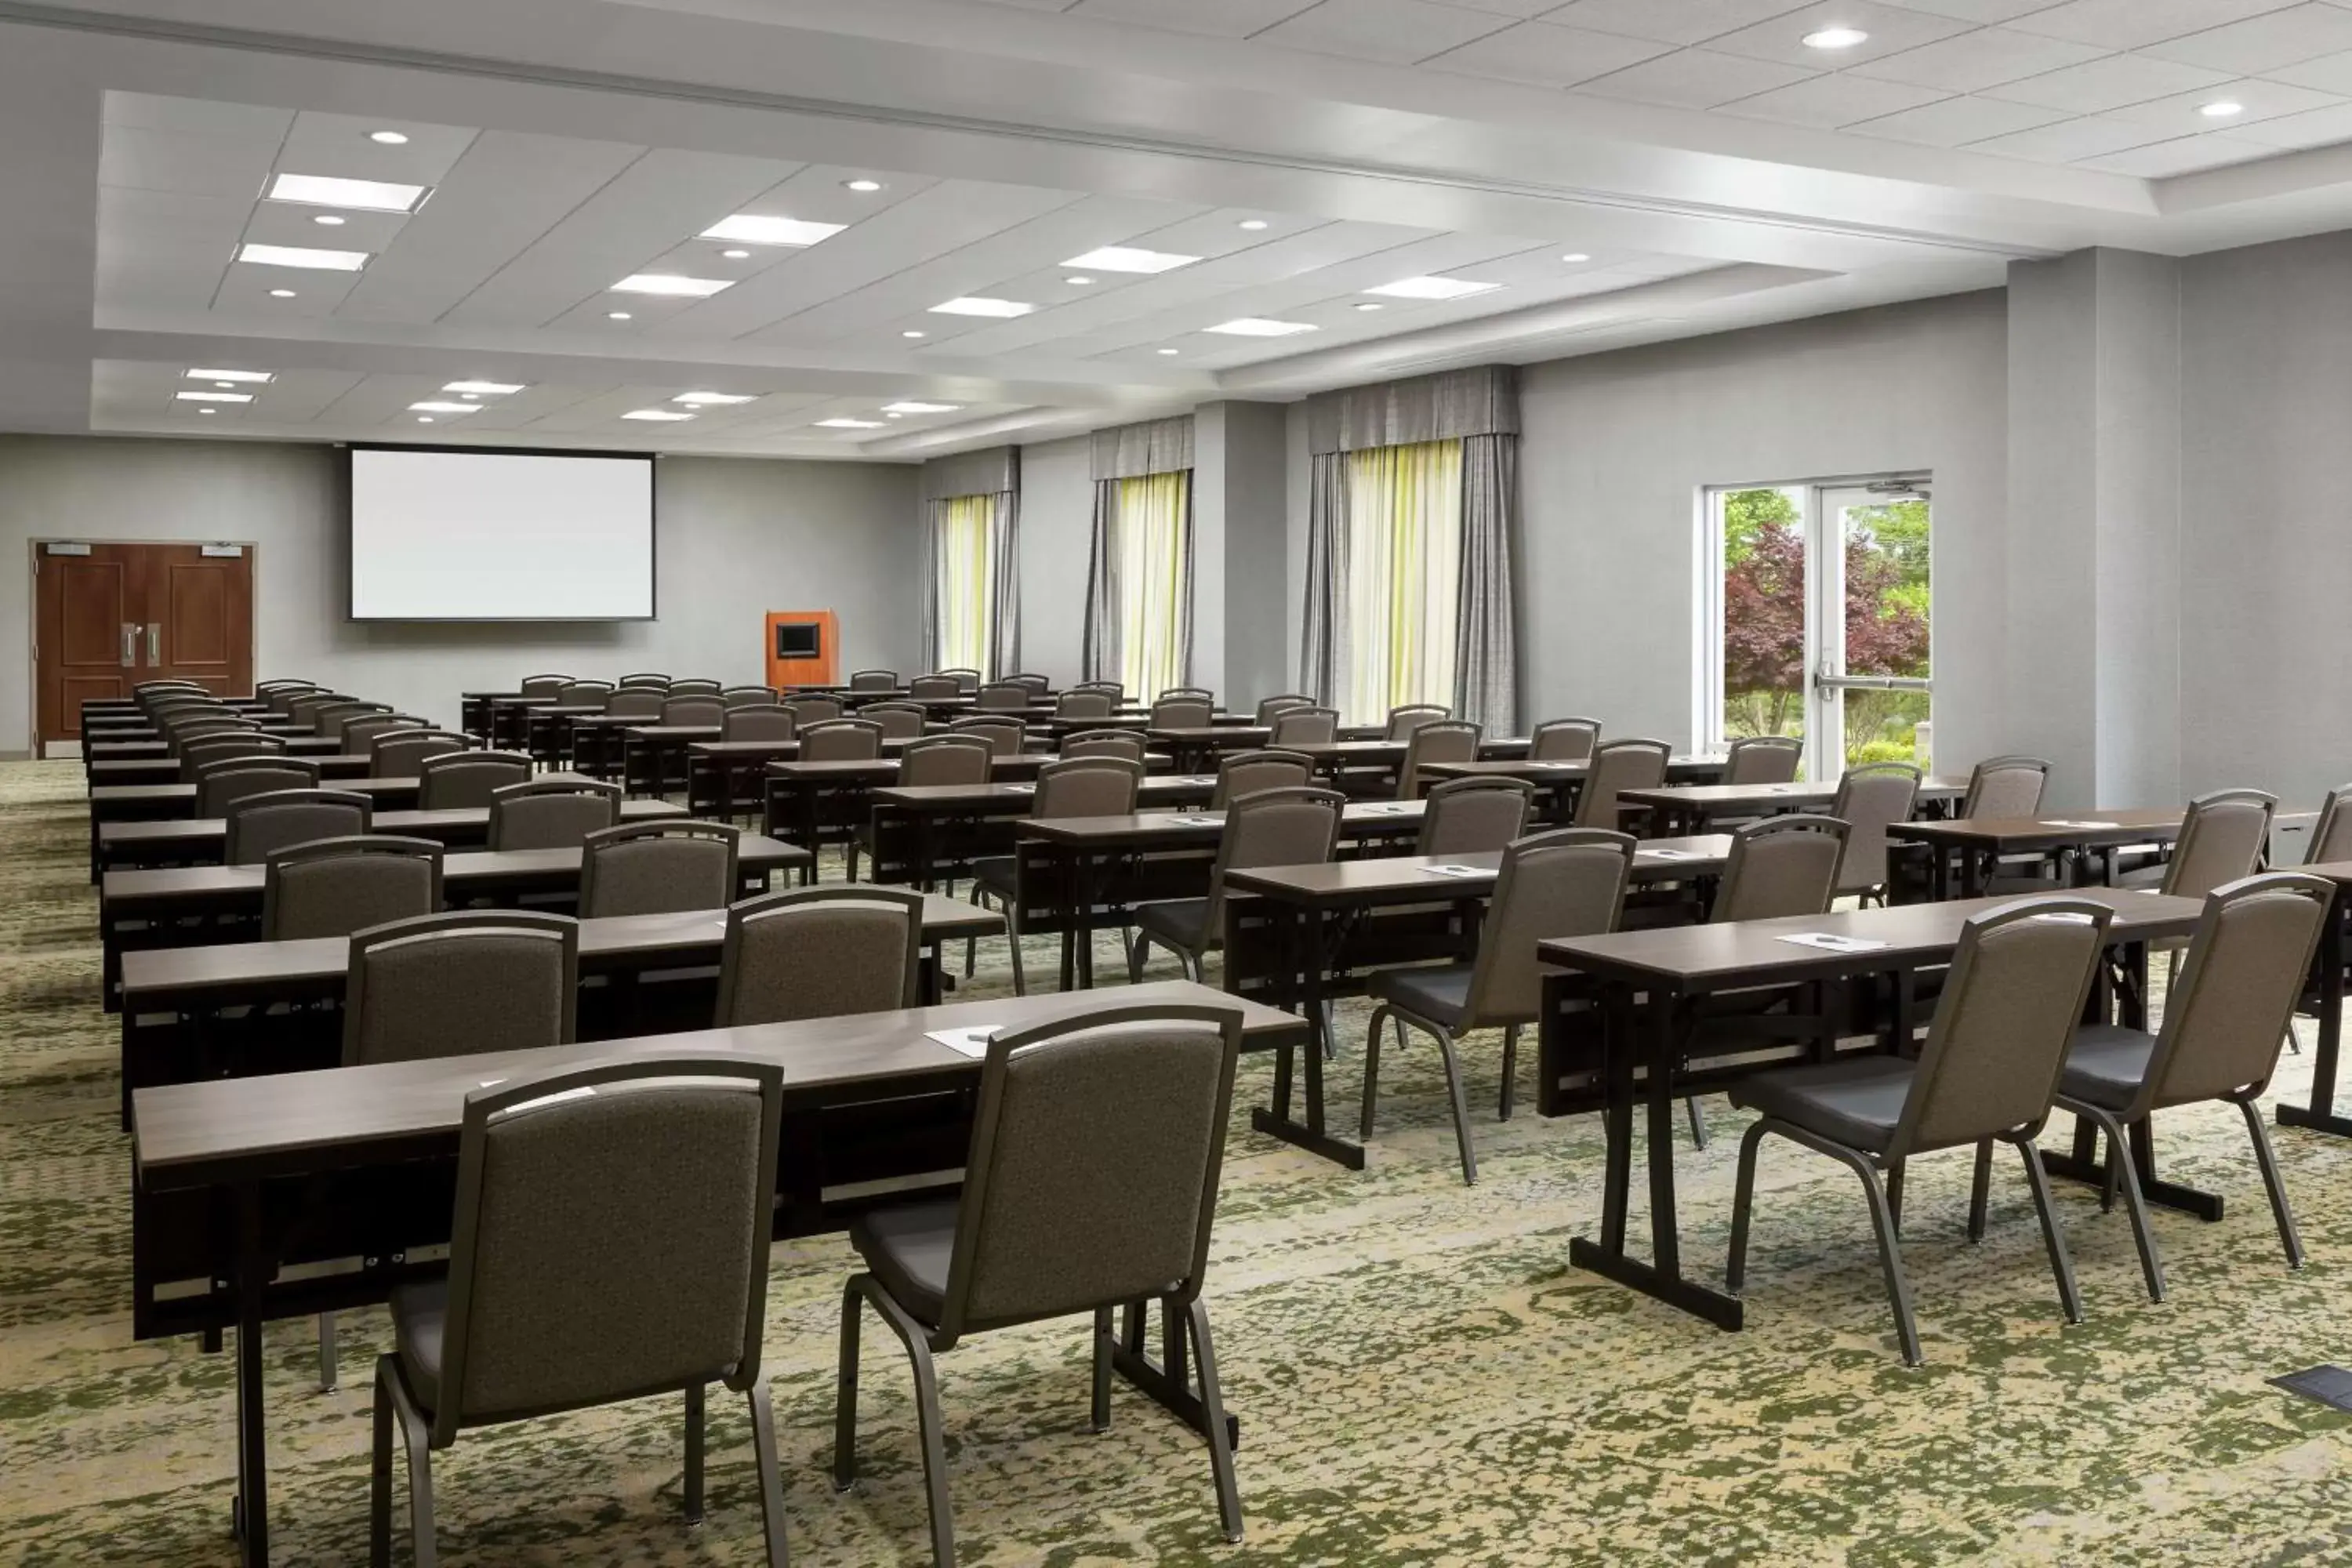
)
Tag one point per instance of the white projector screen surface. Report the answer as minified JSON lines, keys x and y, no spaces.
{"x":499,"y":536}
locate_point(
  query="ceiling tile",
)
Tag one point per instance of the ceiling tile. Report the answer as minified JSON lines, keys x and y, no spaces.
{"x":1695,"y":78}
{"x":2328,"y":73}
{"x":2134,"y":24}
{"x":1830,"y":101}
{"x":2182,"y":155}
{"x":1217,"y":18}
{"x":1956,"y":121}
{"x":1670,"y":21}
{"x":338,"y":144}
{"x":1891,"y":31}
{"x":1974,"y":61}
{"x":1987,"y":11}
{"x":2265,"y":43}
{"x":1547,"y":54}
{"x":2100,"y":85}
{"x":1525,"y":10}
{"x":150,"y":111}
{"x":1396,"y":31}
{"x":2182,"y":115}
{"x":2067,"y":141}
{"x":193,"y":163}
{"x":2317,"y":128}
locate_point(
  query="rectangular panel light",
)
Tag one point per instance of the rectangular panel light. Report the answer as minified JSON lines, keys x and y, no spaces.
{"x":668,"y":414}
{"x":713,"y":399}
{"x":215,"y":397}
{"x":484,"y":388}
{"x":1259,"y":327}
{"x":1431,"y":289}
{"x":258,"y":377}
{"x":437,"y":406}
{"x":671,"y":283}
{"x":1126,"y":258}
{"x":364,"y":195}
{"x":850,"y":424}
{"x":303,"y":255}
{"x":982,"y":307}
{"x":920,"y":408}
{"x":751,"y":228}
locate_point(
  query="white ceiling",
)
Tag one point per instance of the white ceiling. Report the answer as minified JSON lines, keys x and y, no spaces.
{"x":1712,"y":170}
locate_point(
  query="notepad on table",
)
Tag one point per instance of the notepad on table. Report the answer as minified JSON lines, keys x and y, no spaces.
{"x":1671,"y":853}
{"x":1457,"y":870}
{"x":1830,"y":942}
{"x":2057,"y":822}
{"x":971,"y":1042}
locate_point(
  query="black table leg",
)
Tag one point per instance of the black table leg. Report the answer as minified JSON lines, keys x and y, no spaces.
{"x":1300,"y":988}
{"x":2319,"y":1116}
{"x":1079,"y":894}
{"x":1166,"y":1382}
{"x":252,"y":1509}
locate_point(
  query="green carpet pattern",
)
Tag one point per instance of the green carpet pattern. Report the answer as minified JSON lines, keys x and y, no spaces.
{"x":1419,"y":1377}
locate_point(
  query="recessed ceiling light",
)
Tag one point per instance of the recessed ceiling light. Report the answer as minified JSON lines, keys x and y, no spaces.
{"x":911,"y":332}
{"x":850,"y":424}
{"x":389,"y":138}
{"x":204,"y":411}
{"x":1251,"y":224}
{"x":303,"y":255}
{"x":325,"y":191}
{"x":713,"y":399}
{"x":911,"y":406}
{"x":862,"y":187}
{"x":1836,"y":39}
{"x":215,"y":396}
{"x":261,"y":376}
{"x":281,"y":293}
{"x":978,"y":306}
{"x":471,"y":396}
{"x":226,"y":386}
{"x":329,"y":219}
{"x":675,"y":284}
{"x":1169,"y":352}
{"x":424,"y":419}
{"x":1369,"y":305}
{"x":1079,"y":282}
{"x":1128,"y":258}
{"x":1433,"y":289}
{"x":618,"y":316}
{"x":667,"y":414}
{"x":1259,"y":327}
{"x":751,"y":228}
{"x":2221,"y":108}
{"x":736,"y":255}
{"x":488,"y":388}
{"x":888,"y":416}
{"x":1574,"y":257}
{"x":441,"y":405}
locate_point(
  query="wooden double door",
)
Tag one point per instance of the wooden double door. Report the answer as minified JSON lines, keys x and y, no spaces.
{"x":109,"y":617}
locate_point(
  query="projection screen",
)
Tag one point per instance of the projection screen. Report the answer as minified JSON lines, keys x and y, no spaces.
{"x":501,"y":536}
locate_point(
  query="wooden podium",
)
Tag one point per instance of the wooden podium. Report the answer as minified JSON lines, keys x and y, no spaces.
{"x":802,"y":648}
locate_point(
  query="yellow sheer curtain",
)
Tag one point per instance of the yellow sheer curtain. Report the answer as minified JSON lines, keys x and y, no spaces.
{"x":1154,"y":517}
{"x":966,"y":546}
{"x":1403,"y":577}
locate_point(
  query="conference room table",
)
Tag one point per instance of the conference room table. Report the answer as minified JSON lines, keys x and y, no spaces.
{"x":1302,"y":905}
{"x":129,"y":846}
{"x":1691,"y":809}
{"x":163,"y":768}
{"x":825,"y":801}
{"x":165,"y":801}
{"x":237,"y":1181}
{"x":1645,"y":989}
{"x":1962,"y":855}
{"x":140,"y":727}
{"x":544,"y":732}
{"x":922,"y":832}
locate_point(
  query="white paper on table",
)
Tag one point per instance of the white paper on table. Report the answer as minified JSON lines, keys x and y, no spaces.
{"x":971,"y":1042}
{"x":1022,"y":788}
{"x":1391,"y":808}
{"x":2055,"y":822}
{"x":1199,"y":820}
{"x":1830,"y":942}
{"x":1457,"y":870}
{"x":1671,"y":853}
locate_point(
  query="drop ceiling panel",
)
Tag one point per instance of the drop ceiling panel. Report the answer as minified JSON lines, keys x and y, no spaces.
{"x":1695,"y":78}
{"x":210,"y":164}
{"x":1830,"y":101}
{"x":2097,"y":86}
{"x":287,"y":223}
{"x":1216,"y":18}
{"x":2135,"y":24}
{"x":2182,"y":155}
{"x":1549,"y":56}
{"x":1395,"y":31}
{"x":337,"y":145}
{"x":2184,"y":114}
{"x":1985,"y":57}
{"x":164,"y":250}
{"x":2067,"y":141}
{"x":194,"y":116}
{"x":1670,"y":21}
{"x":2263,"y":43}
{"x":1891,"y":31}
{"x":2318,"y":128}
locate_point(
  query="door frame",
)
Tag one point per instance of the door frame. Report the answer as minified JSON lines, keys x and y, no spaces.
{"x":36,"y":549}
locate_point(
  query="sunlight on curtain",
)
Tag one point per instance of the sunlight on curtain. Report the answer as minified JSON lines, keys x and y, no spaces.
{"x":1154,"y":555}
{"x":1403,"y":577}
{"x":965,"y":540}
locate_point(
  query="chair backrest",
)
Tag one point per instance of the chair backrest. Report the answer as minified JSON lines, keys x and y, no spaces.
{"x":696,"y":709}
{"x":579,"y":692}
{"x":1085,"y":704}
{"x":2005,"y":787}
{"x":1038,"y":685}
{"x":1871,"y":799}
{"x":1247,"y":773}
{"x":329,"y":721}
{"x":1095,"y":1154}
{"x":637,"y":701}
{"x":199,"y":754}
{"x":1305,"y":727}
{"x":1108,"y":743}
{"x":820,"y":953}
{"x":1267,"y":707}
{"x":657,"y":868}
{"x":1618,"y":766}
{"x":1182,"y":713}
{"x":2331,"y":836}
{"x":1197,"y":693}
{"x":365,"y":729}
{"x":841,"y":741}
{"x":645,"y":681}
{"x":1294,"y":825}
{"x":899,"y":720}
{"x":1004,"y":695}
{"x":179,"y":734}
{"x":934,"y":687}
{"x":1564,"y":741}
{"x":401,"y":753}
{"x":2221,"y":840}
{"x":736,"y":697}
{"x":544,"y":685}
{"x":334,"y":887}
{"x":260,"y":824}
{"x":456,"y":779}
{"x":1567,"y":882}
{"x":2226,"y":1015}
{"x":146,"y":687}
{"x":1087,"y":786}
{"x":1763,"y":760}
{"x":306,"y":703}
{"x":874,"y":681}
{"x":551,"y":813}
{"x":459,"y":982}
{"x":1006,"y":736}
{"x":2007,"y":1014}
{"x":758,"y":721}
{"x":809,"y":711}
{"x":1780,"y":866}
{"x":1114,"y":690}
{"x":697,"y":687}
{"x":946,"y":760}
{"x":1469,"y":817}
{"x":221,"y":783}
{"x":1438,"y":741}
{"x":1404,"y":720}
{"x":967,"y":681}
{"x":610,"y":1235}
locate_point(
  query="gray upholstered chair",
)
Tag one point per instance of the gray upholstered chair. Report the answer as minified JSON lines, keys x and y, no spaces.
{"x":1182,"y":713}
{"x":874,"y":681}
{"x":257,"y":825}
{"x":1068,"y":786}
{"x":658,"y":868}
{"x":551,"y":813}
{"x":1193,"y":693}
{"x":1403,"y":721}
{"x":1267,"y":707}
{"x":1569,"y":882}
{"x":1564,"y":741}
{"x":811,"y":708}
{"x":696,"y":686}
{"x":1084,"y":705}
{"x":645,"y":681}
{"x":1473,"y":815}
{"x":1004,"y":696}
{"x":695,"y":708}
{"x":821,"y":952}
{"x":221,"y":783}
{"x":334,"y":887}
{"x":1618,"y":766}
{"x":841,"y":741}
{"x":1986,"y":1074}
{"x":736,"y":697}
{"x":1005,"y":737}
{"x":1246,"y":772}
{"x":2220,"y":1040}
{"x":1437,"y":741}
{"x":2223,"y":837}
{"x":401,"y":753}
{"x":1124,"y":743}
{"x":575,"y":693}
{"x":1038,"y":685}
{"x":361,"y":733}
{"x":1304,"y":727}
{"x":1091,"y":1184}
{"x":282,"y":698}
{"x":328,"y":722}
{"x":967,"y":681}
{"x":1780,"y":867}
{"x":1293,"y":826}
{"x":758,"y":721}
{"x":544,"y":685}
{"x":1871,"y":799}
{"x":195,"y":756}
{"x":941,"y":760}
{"x":939,"y":687}
{"x":2331,"y":836}
{"x":2005,"y":787}
{"x":1114,"y":690}
{"x":899,"y":720}
{"x":468,"y":778}
{"x":301,"y":708}
{"x":1763,"y":760}
{"x":609,"y":1242}
{"x":636,"y":702}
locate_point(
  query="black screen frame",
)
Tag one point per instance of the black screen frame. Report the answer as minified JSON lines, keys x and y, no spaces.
{"x":816,"y":630}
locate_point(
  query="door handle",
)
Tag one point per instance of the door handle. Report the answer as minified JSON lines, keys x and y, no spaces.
{"x":154,"y":644}
{"x":129,"y":644}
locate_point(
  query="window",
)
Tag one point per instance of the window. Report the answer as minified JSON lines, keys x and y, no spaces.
{"x":1155,"y":520}
{"x":965,"y":540}
{"x":1817,"y":618}
{"x":1403,"y":577}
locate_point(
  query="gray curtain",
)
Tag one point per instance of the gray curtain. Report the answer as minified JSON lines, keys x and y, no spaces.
{"x":1443,"y":407}
{"x":1101,"y":652}
{"x":1004,"y":593}
{"x":1130,"y":452}
{"x":992,"y":471}
{"x":1486,"y":681}
{"x":1321,"y":673}
{"x":1154,"y":446}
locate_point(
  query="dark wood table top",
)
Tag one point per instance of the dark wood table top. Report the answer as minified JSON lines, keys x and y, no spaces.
{"x":1004,"y":798}
{"x":1411,"y":880}
{"x":162,"y":767}
{"x":185,"y":833}
{"x":185,"y":795}
{"x":2024,"y":834}
{"x":1690,"y":768}
{"x":229,"y":1129}
{"x":2337,"y":871}
{"x":1732,"y":798}
{"x":1358,"y":818}
{"x":644,"y":731}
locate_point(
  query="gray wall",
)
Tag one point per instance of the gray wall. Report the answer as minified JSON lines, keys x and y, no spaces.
{"x":736,"y":539}
{"x":1057,"y":513}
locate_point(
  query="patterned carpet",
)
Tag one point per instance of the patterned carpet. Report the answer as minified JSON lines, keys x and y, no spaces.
{"x":1420,"y":1378}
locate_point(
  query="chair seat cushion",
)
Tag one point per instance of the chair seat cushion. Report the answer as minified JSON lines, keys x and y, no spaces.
{"x":418,"y":1313}
{"x":1441,"y":995}
{"x":908,"y":1249}
{"x":994,"y":873}
{"x":2105,"y":1065}
{"x":1180,"y":923}
{"x":1856,"y":1103}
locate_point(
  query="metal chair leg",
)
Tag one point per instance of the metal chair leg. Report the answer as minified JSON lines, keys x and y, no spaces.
{"x":380,"y":1477}
{"x":1136,"y":953}
{"x":1510,"y":1071}
{"x":2121,"y":1168}
{"x":1461,"y":1111}
{"x":329,"y":1374}
{"x":845,"y":1393}
{"x":1894,"y":1194}
{"x":1743,"y":1199}
{"x":2267,"y":1159}
{"x":1980,"y":1191}
{"x":771,"y":1473}
{"x":1020,"y":975}
{"x":1697,"y":1120}
{"x":928,"y":1418}
{"x":2294,"y":1041}
{"x":2061,"y":1268}
{"x":1213,"y":1411}
{"x":418,"y":1440}
{"x":1330,"y":1034}
{"x":1104,"y":1341}
{"x":1372,"y":1073}
{"x":1890,"y":1257}
{"x":691,"y":1489}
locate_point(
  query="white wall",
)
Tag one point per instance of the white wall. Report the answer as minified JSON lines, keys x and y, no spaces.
{"x":736,"y":539}
{"x":1058,"y":520}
